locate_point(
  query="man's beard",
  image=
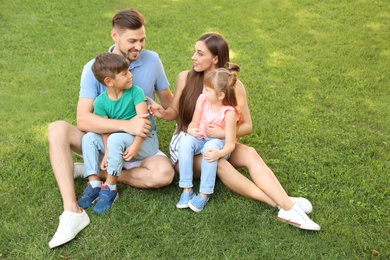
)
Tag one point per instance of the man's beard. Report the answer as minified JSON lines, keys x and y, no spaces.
{"x":127,"y":56}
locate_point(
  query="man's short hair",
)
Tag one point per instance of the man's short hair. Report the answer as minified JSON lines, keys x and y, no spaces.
{"x":128,"y":19}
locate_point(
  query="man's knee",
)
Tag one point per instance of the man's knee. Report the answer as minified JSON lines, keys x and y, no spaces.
{"x":162,"y":177}
{"x":56,"y":129}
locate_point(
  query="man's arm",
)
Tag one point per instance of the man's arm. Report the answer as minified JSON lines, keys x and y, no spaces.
{"x":87,"y":121}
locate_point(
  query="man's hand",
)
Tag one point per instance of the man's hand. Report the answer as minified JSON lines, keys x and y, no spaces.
{"x":138,"y":125}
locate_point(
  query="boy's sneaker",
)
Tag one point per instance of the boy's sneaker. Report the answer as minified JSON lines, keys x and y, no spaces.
{"x":90,"y":195}
{"x":70,"y":225}
{"x":106,"y":198}
{"x":303,"y":203}
{"x":297,"y":217}
{"x":78,"y":170}
{"x":185,"y":197}
{"x":197,"y":203}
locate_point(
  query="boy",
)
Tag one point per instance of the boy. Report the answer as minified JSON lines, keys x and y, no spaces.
{"x":122,"y":101}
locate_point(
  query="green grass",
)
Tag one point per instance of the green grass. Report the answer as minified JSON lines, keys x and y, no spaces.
{"x":317,"y":77}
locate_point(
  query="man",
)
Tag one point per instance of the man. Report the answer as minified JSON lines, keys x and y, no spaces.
{"x":128,"y":34}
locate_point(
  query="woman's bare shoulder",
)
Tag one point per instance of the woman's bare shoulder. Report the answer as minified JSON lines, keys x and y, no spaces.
{"x":183,"y":75}
{"x":181,"y":79}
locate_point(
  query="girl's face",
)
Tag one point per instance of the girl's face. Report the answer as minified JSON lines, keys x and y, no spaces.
{"x":211,"y":95}
{"x":204,"y":60}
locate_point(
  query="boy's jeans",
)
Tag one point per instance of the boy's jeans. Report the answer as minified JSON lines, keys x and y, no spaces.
{"x":117,"y":143}
{"x":190,"y":146}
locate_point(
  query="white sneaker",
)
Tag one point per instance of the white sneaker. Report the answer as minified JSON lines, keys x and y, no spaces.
{"x":70,"y":225}
{"x":297,"y":217}
{"x":78,"y":170}
{"x":303,"y":203}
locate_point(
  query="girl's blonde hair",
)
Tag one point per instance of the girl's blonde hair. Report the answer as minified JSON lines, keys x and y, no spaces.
{"x":223,"y":80}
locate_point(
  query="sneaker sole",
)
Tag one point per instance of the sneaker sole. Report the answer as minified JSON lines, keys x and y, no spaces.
{"x":182,"y":206}
{"x":193,"y":207}
{"x":299,"y":225}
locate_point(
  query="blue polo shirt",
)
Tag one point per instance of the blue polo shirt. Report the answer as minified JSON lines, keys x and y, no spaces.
{"x":148,"y":74}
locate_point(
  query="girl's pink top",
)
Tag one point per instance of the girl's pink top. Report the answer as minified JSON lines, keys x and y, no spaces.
{"x":208,"y":116}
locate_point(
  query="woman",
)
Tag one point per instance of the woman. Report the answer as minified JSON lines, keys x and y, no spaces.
{"x":211,"y":52}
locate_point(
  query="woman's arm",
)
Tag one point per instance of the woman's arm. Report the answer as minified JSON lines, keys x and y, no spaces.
{"x":171,"y":112}
{"x":245,"y":127}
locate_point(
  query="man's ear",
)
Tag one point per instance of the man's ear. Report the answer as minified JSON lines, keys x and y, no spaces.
{"x":114,"y":35}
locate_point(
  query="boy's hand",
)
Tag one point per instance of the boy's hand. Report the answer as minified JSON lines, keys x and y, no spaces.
{"x":130,"y":153}
{"x":104,"y":164}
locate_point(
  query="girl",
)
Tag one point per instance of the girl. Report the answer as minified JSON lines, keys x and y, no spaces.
{"x":216,"y":106}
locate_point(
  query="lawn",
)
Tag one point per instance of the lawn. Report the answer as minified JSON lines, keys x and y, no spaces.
{"x":317,"y":78}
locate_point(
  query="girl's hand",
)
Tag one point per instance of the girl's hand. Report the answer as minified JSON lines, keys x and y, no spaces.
{"x":195,"y":133}
{"x":214,"y":131}
{"x":155,"y":109}
{"x":104,"y":164}
{"x":212,"y":155}
{"x":130,"y":153}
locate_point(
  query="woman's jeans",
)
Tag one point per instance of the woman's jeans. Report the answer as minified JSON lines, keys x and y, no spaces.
{"x":190,"y":146}
{"x":93,"y":148}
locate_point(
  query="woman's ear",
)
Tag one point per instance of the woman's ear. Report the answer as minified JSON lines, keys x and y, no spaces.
{"x":215,"y":60}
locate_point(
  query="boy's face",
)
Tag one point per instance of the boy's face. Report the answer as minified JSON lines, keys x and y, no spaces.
{"x":123,"y":80}
{"x":129,"y":43}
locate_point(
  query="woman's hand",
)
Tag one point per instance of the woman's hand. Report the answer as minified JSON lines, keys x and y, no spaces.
{"x":155,"y":109}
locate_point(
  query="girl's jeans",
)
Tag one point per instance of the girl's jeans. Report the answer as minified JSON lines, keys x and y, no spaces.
{"x":93,"y":148}
{"x":190,"y":146}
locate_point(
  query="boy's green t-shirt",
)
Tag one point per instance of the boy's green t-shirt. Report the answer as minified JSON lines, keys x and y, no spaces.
{"x":123,"y":108}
